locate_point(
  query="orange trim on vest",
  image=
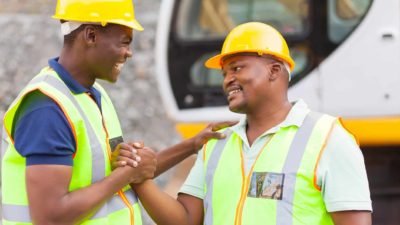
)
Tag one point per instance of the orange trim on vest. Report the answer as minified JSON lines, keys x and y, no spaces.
{"x":319,"y":156}
{"x":246,"y":181}
{"x":48,"y":94}
{"x":204,"y":152}
{"x":8,"y":132}
{"x":66,"y":115}
{"x":109,"y":153}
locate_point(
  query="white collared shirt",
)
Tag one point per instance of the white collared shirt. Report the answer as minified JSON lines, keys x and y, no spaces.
{"x":341,"y":171}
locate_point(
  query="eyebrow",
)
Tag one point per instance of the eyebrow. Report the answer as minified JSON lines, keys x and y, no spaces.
{"x":235,"y":62}
{"x":127,"y":37}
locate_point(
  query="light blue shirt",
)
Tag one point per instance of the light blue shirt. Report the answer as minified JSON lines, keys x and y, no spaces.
{"x":341,"y":170}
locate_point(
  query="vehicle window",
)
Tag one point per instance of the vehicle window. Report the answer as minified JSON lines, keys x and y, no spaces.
{"x":344,"y":16}
{"x":212,"y":19}
{"x":200,"y":76}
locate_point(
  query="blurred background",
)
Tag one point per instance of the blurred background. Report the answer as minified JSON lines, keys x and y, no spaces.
{"x":346,"y":52}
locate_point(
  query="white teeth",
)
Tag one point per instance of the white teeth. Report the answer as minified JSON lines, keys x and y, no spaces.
{"x":234,"y":92}
{"x":119,"y":66}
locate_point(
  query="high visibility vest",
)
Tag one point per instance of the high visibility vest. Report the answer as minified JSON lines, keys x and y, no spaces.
{"x":94,"y":131}
{"x":280,"y":188}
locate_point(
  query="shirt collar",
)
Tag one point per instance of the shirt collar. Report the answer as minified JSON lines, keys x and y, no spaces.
{"x":65,"y":76}
{"x":295,"y":117}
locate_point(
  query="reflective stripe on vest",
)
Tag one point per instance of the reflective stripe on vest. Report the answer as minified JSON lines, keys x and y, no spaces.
{"x":20,"y":213}
{"x":98,"y":166}
{"x":212,"y":165}
{"x":297,"y":148}
{"x":4,"y":142}
{"x":291,"y":165}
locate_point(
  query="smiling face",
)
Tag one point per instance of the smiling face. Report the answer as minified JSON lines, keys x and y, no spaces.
{"x":249,"y":81}
{"x":109,"y":52}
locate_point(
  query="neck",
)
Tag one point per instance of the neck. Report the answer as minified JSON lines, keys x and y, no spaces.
{"x":265,"y":118}
{"x":71,"y":61}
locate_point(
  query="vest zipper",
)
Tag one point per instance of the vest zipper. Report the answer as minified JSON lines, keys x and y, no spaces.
{"x":245,"y":182}
{"x":120,"y":192}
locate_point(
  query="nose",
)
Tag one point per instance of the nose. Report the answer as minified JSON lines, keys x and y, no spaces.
{"x":128,"y":53}
{"x":228,"y":79}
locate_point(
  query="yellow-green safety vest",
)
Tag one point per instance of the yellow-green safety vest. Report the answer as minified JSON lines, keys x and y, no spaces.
{"x":287,"y":163}
{"x":96,"y":133}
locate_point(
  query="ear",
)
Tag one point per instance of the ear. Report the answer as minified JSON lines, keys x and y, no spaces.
{"x":90,"y":35}
{"x":275,"y":70}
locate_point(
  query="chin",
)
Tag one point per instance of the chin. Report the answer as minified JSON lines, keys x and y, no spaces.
{"x":237,"y":109}
{"x":112,"y":78}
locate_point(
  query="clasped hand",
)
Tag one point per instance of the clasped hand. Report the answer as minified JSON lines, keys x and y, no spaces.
{"x":135,"y":157}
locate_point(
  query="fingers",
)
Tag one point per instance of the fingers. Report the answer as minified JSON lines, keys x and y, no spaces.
{"x":130,"y":154}
{"x":119,"y":164}
{"x":126,"y":154}
{"x":137,"y":144}
{"x":125,"y":161}
{"x":218,"y":135}
{"x":223,"y":124}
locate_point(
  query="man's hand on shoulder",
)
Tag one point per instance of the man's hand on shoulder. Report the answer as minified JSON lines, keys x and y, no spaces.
{"x":210,"y":132}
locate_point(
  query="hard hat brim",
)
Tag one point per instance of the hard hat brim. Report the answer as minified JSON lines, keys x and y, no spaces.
{"x":134,"y":24}
{"x":215,"y":62}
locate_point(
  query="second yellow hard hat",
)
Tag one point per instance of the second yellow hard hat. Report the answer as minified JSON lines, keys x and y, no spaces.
{"x":254,"y":37}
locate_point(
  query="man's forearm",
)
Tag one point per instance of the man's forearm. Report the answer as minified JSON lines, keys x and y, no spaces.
{"x":352,"y":217}
{"x":161,"y":207}
{"x":171,"y":156}
{"x":56,"y":205}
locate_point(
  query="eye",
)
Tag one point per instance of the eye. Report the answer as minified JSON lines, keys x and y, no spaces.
{"x":237,"y":68}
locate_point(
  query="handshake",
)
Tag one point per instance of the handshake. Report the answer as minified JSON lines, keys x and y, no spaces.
{"x":138,"y":161}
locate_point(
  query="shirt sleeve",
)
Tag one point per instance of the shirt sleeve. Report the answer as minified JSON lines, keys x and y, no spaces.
{"x":341,"y":174}
{"x":194,"y":184}
{"x":42,"y":133}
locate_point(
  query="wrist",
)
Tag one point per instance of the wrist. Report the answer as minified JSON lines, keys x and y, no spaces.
{"x":191,"y":145}
{"x":140,"y":186}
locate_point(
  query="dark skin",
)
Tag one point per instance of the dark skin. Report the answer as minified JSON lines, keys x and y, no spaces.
{"x":256,"y":90}
{"x":96,"y":53}
{"x":256,"y":86}
{"x":169,"y":157}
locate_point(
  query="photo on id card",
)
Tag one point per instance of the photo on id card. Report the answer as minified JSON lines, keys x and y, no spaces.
{"x":266,"y":185}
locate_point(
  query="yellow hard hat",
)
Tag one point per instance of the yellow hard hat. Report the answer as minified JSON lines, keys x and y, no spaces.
{"x":98,"y":11}
{"x":254,"y":37}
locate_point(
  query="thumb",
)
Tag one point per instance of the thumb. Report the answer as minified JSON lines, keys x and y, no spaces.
{"x":218,"y":135}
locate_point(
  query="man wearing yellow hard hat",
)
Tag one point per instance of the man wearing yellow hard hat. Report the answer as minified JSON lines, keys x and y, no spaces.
{"x":283,"y":164}
{"x":62,"y":130}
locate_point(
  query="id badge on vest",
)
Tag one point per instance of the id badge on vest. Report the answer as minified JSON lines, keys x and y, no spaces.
{"x":115,"y":141}
{"x":266,"y":185}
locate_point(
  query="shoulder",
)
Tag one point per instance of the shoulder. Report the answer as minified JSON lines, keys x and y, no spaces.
{"x":33,"y":102}
{"x":41,"y":131}
{"x":342,"y":153}
{"x":341,"y":173}
{"x":341,"y":138}
{"x":39,"y":112}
